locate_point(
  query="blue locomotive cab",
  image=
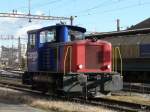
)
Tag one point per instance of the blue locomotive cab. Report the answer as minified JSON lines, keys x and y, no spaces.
{"x":41,"y":53}
{"x":61,"y":33}
{"x":45,"y":50}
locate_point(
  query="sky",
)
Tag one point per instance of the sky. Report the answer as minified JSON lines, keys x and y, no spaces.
{"x":94,"y":15}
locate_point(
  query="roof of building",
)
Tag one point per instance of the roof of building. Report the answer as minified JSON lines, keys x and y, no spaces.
{"x":140,"y":28}
{"x":143,"y":24}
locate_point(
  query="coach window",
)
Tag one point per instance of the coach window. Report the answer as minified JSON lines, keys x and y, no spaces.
{"x":47,"y":36}
{"x":32,"y":41}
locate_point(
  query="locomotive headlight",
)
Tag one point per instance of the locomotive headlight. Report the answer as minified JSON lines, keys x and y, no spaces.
{"x":108,"y":66}
{"x":80,"y":66}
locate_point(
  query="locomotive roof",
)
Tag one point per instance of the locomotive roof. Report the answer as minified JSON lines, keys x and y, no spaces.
{"x":55,"y":26}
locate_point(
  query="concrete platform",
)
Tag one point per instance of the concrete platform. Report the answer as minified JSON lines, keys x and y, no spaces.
{"x":10,"y":106}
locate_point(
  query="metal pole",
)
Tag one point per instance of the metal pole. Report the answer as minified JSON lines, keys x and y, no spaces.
{"x":29,"y":6}
{"x":29,"y":10}
{"x":71,"y":20}
{"x":118,"y":25}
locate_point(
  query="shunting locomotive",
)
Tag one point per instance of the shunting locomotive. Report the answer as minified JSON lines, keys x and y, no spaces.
{"x":61,"y":61}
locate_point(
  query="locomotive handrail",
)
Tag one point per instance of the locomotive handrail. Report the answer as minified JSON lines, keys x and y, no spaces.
{"x":113,"y":60}
{"x":114,"y":57}
{"x":65,"y":58}
{"x":116,"y":51}
{"x":120,"y":56}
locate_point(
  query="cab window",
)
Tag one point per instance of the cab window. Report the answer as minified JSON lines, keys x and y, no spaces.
{"x":75,"y":35}
{"x":31,"y":41}
{"x":47,"y":36}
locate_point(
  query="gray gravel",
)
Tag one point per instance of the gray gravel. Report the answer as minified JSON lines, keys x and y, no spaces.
{"x":10,"y":106}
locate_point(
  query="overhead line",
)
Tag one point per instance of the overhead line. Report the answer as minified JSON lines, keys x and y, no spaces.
{"x":97,"y":6}
{"x":48,"y":3}
{"x":41,"y":5}
{"x":117,"y":9}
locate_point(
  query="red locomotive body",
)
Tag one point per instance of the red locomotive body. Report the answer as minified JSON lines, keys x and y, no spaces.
{"x":87,"y":56}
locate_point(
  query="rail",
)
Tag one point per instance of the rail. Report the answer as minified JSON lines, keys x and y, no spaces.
{"x":116,"y":105}
{"x":109,"y":103}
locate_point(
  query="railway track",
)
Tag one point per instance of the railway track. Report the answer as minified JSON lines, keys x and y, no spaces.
{"x":130,"y":87}
{"x":108,"y":103}
{"x":137,"y":87}
{"x":119,"y":105}
{"x":11,"y":76}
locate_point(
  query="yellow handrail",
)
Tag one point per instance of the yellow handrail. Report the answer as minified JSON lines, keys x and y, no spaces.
{"x":112,"y":59}
{"x":116,"y":57}
{"x":120,"y":56}
{"x":115,"y":52}
{"x":65,"y":58}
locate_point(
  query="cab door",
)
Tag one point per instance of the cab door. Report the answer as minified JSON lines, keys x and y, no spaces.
{"x":32,"y":53}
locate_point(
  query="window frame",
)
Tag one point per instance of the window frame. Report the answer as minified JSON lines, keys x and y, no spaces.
{"x":73,"y":33}
{"x":47,"y":38}
{"x":32,"y":40}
